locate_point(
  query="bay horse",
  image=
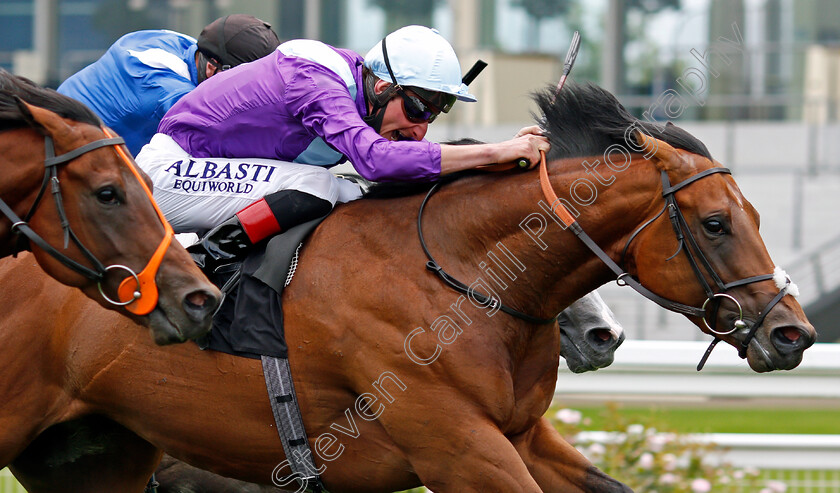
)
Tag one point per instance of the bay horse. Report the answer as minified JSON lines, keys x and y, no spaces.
{"x":99,"y":200}
{"x":589,"y":335}
{"x":401,"y":381}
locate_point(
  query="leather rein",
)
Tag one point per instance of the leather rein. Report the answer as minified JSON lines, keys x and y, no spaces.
{"x":687,"y":244}
{"x":138,"y":292}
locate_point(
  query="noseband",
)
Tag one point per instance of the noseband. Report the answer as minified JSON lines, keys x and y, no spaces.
{"x":696,"y":258}
{"x":138,"y":292}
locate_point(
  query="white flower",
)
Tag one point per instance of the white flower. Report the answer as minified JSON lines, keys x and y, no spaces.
{"x":776,"y":486}
{"x":669,"y":462}
{"x":667,"y":478}
{"x":646,"y":460}
{"x":596,"y":450}
{"x":635,"y":429}
{"x":739,"y":474}
{"x":724,"y":480}
{"x":568,"y":416}
{"x":656,"y":443}
{"x":701,"y":485}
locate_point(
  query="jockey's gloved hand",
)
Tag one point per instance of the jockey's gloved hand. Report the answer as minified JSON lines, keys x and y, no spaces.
{"x":225,"y":244}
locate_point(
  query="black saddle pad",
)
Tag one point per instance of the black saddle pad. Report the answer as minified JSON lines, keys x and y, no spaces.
{"x":250,"y":321}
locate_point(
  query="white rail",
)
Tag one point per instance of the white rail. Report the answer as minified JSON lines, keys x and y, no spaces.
{"x":763,"y":451}
{"x":666,"y":371}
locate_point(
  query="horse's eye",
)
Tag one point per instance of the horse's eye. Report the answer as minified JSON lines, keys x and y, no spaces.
{"x":107,"y":195}
{"x":714,"y":226}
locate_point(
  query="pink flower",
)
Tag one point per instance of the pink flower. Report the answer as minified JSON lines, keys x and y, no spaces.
{"x":701,"y":485}
{"x":645,"y":461}
{"x":568,"y":416}
{"x":656,"y":443}
{"x":667,"y":478}
{"x":776,"y":486}
{"x":596,"y":450}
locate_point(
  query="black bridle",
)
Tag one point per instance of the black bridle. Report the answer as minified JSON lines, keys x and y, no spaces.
{"x":21,"y":226}
{"x":687,"y":244}
{"x":457,"y":285}
{"x":696,"y":259}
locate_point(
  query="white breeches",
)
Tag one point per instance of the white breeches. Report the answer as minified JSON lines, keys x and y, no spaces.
{"x":196,"y":194}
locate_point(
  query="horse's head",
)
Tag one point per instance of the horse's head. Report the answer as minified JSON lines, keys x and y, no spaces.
{"x":705,"y":251}
{"x":674,"y":219}
{"x":589,"y":334}
{"x":100,"y":227}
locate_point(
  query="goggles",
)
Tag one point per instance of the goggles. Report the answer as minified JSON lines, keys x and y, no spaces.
{"x":418,"y":109}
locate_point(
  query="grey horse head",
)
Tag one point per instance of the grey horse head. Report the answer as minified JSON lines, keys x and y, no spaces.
{"x":589,"y":334}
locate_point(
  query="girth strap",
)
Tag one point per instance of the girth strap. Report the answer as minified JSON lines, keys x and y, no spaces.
{"x":287,"y":418}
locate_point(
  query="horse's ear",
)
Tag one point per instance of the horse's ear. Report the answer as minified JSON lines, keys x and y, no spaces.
{"x":659,"y":149}
{"x":43,"y":120}
{"x":26,"y":113}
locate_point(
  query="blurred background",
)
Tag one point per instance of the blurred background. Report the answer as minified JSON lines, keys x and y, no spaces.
{"x":757,"y":80}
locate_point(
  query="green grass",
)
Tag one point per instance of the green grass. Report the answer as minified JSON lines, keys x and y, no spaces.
{"x":724,"y":420}
{"x":8,"y":483}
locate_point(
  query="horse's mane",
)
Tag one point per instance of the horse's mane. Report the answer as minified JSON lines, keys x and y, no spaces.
{"x":11,"y":116}
{"x":584,"y":120}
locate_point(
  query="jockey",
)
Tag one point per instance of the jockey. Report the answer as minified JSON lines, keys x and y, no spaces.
{"x":245,"y":155}
{"x":144,"y":73}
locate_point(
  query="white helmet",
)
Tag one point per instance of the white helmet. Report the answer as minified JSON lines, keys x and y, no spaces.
{"x":419,"y":57}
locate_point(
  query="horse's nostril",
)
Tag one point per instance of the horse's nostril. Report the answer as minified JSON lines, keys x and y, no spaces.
{"x":198,"y":298}
{"x":603,"y":334}
{"x":790,"y":338}
{"x":600,"y":338}
{"x":200,"y":304}
{"x":791,"y":334}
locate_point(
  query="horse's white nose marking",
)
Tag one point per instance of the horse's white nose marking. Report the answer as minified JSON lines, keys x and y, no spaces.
{"x":608,"y":316}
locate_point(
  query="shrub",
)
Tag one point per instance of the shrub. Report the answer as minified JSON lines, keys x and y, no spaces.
{"x":652,"y":461}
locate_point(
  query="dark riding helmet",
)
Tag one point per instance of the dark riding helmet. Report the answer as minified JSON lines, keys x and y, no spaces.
{"x":236,"y":38}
